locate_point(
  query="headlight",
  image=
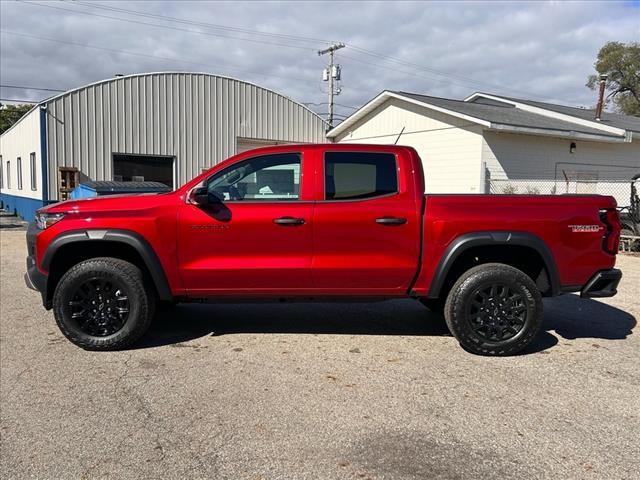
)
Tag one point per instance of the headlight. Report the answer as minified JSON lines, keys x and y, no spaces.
{"x":45,"y":220}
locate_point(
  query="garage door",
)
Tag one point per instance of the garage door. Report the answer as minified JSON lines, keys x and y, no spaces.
{"x":143,"y":168}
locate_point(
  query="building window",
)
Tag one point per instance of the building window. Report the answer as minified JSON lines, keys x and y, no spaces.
{"x":19,"y":167}
{"x":8,"y":174}
{"x":34,"y":176}
{"x":1,"y":173}
{"x":359,"y":175}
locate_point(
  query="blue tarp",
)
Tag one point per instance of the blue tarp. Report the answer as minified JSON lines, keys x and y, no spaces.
{"x":95,"y":189}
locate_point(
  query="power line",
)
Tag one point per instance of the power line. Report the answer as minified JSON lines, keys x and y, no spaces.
{"x":203,"y":24}
{"x":17,"y":100}
{"x":22,"y":87}
{"x":413,"y":74}
{"x":418,"y":67}
{"x":262,"y":42}
{"x":468,"y":80}
{"x":145,"y":55}
{"x":326,"y":103}
{"x":405,"y":72}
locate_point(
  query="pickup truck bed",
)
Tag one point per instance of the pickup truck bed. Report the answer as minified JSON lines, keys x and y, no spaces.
{"x":554,"y":226}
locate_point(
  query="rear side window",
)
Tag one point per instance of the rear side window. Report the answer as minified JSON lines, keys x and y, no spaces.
{"x":359,"y":175}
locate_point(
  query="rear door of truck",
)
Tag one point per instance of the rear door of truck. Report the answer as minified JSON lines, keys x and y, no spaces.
{"x":366,"y":222}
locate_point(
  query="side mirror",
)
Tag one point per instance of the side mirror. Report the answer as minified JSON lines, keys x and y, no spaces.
{"x":202,"y":196}
{"x":199,"y":196}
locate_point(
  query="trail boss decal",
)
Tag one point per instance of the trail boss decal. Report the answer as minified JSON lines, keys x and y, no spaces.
{"x":585,"y":228}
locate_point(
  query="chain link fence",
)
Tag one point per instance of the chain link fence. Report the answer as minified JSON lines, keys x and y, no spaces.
{"x":619,"y":189}
{"x":611,"y":180}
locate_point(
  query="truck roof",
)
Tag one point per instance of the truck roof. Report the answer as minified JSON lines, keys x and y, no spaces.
{"x":362,"y":147}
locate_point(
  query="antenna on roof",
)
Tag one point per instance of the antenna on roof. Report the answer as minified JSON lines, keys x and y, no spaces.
{"x":399,"y":135}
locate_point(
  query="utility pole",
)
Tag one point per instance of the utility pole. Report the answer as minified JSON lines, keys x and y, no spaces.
{"x":331,"y":74}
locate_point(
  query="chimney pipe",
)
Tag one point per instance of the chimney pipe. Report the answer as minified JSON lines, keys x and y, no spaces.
{"x":600,"y":105}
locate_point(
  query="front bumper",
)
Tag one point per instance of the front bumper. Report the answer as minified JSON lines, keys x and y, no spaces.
{"x":602,"y":284}
{"x":34,"y":278}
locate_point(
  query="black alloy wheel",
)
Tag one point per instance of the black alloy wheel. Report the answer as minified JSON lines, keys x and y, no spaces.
{"x":103,"y":303}
{"x":494,"y":309}
{"x":497,"y":312}
{"x":99,"y":307}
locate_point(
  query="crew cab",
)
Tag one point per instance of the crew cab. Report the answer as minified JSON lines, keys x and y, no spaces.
{"x":321,"y":222}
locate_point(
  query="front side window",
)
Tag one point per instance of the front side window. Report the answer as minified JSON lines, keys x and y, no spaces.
{"x":32,"y":165}
{"x":19,"y":166}
{"x":359,"y":175}
{"x":265,"y":178}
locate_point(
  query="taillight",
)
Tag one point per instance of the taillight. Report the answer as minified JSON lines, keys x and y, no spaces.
{"x":611,"y":240}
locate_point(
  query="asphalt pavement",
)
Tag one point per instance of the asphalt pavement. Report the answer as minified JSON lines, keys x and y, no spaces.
{"x":318,"y":391}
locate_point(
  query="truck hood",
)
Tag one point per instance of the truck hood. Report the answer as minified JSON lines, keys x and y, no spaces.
{"x":107,"y":203}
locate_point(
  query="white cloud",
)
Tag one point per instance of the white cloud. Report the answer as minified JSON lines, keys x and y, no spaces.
{"x":536,"y":50}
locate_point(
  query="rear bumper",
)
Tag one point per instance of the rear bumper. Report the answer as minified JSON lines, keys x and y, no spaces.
{"x":602,"y":284}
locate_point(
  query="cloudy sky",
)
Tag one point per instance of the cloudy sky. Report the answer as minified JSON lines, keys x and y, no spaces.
{"x":539,"y":50}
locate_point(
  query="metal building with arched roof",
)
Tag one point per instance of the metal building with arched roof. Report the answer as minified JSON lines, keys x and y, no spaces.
{"x":164,"y":126}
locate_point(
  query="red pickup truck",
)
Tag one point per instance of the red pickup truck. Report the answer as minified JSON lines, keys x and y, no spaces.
{"x":323,"y":222}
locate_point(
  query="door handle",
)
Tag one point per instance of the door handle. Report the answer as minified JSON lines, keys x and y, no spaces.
{"x":391,"y":221}
{"x":288,"y":221}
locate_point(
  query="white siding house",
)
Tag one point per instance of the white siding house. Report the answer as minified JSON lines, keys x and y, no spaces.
{"x":22,"y":188}
{"x":449,"y":146}
{"x":491,"y":144}
{"x":530,"y":164}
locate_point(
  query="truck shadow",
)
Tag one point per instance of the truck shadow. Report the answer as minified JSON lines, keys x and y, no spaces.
{"x":572,"y":317}
{"x":568,"y":317}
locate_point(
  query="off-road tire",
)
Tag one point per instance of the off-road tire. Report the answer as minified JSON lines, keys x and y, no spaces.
{"x":463,"y":297}
{"x":141,"y":302}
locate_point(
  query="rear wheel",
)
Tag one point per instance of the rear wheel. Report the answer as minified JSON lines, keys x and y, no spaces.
{"x":102,"y":304}
{"x":494,"y":309}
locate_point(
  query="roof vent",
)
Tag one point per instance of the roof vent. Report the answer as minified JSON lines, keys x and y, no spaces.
{"x":600,"y":105}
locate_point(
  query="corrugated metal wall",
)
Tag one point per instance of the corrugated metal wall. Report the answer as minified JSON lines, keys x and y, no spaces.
{"x":194,"y":117}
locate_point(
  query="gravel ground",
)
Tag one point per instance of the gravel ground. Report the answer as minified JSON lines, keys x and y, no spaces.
{"x":318,"y":391}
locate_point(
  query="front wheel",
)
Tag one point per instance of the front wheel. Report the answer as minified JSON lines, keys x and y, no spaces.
{"x":102,"y":304}
{"x":494,"y":309}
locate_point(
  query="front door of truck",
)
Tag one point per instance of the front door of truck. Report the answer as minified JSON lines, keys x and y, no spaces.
{"x":366,"y":226}
{"x":254,"y":237}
